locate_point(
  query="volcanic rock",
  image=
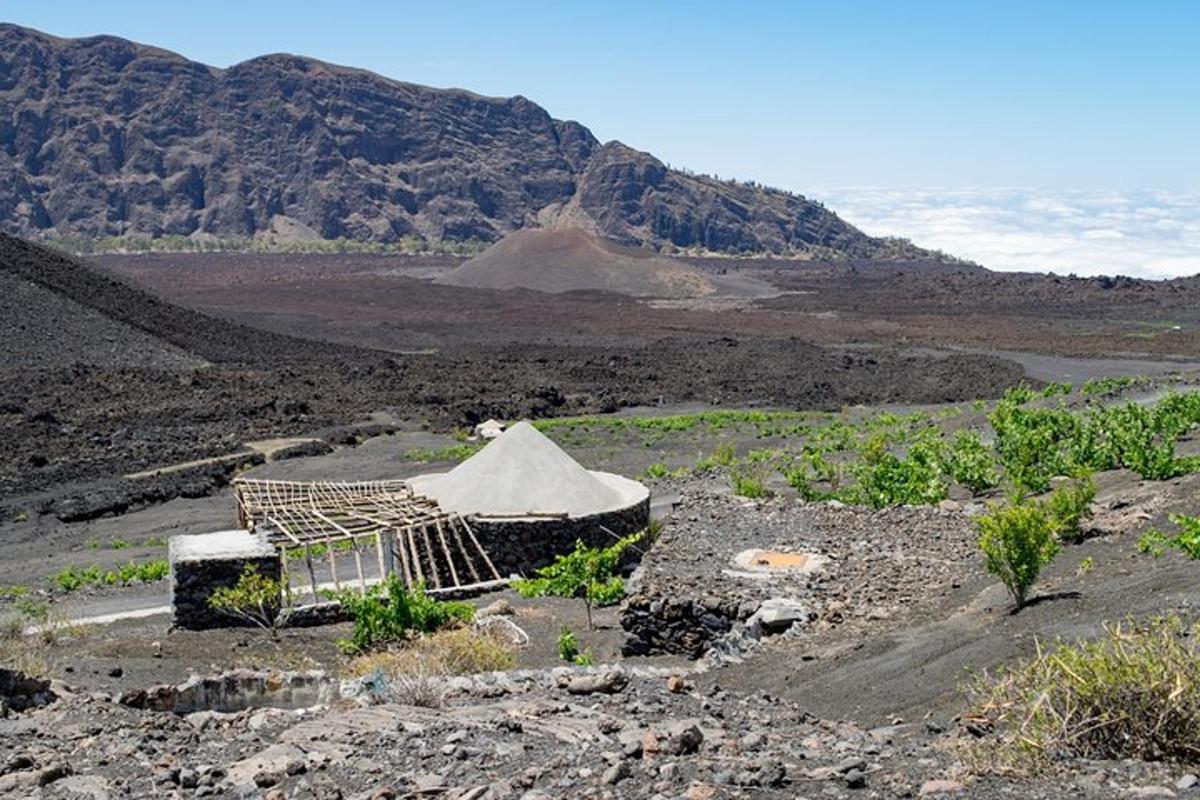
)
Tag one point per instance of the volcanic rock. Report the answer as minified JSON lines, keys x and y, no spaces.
{"x":106,"y":137}
{"x":569,"y":259}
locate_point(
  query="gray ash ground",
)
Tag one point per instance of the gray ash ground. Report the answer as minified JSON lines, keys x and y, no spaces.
{"x":881,"y":565}
{"x":811,"y":713}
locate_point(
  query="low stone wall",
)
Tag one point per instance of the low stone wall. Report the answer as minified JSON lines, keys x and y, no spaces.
{"x":236,"y":691}
{"x":684,"y":626}
{"x":198,"y":570}
{"x":519,"y":546}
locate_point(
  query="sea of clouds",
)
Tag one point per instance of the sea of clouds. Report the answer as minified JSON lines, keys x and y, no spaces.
{"x":1150,"y":234}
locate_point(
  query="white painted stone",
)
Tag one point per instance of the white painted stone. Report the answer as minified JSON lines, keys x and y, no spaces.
{"x":219,"y":546}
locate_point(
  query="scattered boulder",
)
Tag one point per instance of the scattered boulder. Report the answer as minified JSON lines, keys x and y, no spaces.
{"x":778,"y":615}
{"x":940,"y":788}
{"x":609,"y":682}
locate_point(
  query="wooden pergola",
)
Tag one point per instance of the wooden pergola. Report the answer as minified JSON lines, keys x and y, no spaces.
{"x":410,"y":534}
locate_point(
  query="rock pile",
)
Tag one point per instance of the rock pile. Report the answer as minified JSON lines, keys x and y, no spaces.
{"x":690,"y":592}
{"x":20,"y":692}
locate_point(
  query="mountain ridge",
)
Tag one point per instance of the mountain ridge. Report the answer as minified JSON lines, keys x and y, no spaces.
{"x":107,"y":137}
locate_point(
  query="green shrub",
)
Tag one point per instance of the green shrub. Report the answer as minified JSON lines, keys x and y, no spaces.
{"x":1186,"y":540}
{"x":812,"y":467}
{"x":72,"y":577}
{"x":657,"y":470}
{"x":887,"y":480}
{"x":972,"y":464}
{"x":1133,"y":693}
{"x":568,"y":645}
{"x":749,"y":484}
{"x":256,"y":599}
{"x":390,"y":612}
{"x":584,"y":659}
{"x":723,"y":456}
{"x":1017,"y":540}
{"x":1035,"y":444}
{"x":1069,"y":505}
{"x":588,"y":573}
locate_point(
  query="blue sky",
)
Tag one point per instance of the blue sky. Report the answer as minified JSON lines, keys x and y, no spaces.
{"x":810,"y":96}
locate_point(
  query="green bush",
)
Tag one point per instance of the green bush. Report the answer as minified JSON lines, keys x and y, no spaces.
{"x":568,"y":645}
{"x":1035,"y":444}
{"x":1069,"y":505}
{"x":255,"y":598}
{"x":723,"y":456}
{"x":1017,"y":540}
{"x":972,"y":464}
{"x":1186,"y":540}
{"x":390,"y":612}
{"x":887,"y":480}
{"x":657,"y":470}
{"x":588,"y":573}
{"x":1133,"y":693}
{"x":749,"y":484}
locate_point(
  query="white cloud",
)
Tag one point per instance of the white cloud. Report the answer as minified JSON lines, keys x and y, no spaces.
{"x":1152,"y":234}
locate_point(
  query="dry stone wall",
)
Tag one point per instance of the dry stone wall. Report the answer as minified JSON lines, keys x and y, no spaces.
{"x":519,"y":546}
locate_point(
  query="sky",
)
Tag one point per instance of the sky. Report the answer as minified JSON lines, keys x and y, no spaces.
{"x":1022,"y":107}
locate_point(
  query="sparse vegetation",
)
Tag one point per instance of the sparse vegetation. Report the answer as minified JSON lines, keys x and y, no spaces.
{"x":723,"y":456}
{"x":457,"y":651}
{"x":587,"y":573}
{"x":1132,"y":693}
{"x":73,"y":577}
{"x":391,"y":613}
{"x":233,"y":244}
{"x":749,"y":483}
{"x":453,"y":453}
{"x":1186,"y":539}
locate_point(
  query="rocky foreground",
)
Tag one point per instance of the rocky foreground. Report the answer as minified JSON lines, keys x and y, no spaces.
{"x":604,"y":733}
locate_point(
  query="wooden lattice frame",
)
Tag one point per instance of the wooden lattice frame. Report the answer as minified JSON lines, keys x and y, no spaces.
{"x":402,"y":525}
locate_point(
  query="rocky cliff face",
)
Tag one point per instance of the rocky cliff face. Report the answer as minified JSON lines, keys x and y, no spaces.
{"x":105,"y":137}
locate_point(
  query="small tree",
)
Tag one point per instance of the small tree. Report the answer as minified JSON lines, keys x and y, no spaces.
{"x":1017,"y":541}
{"x":586,"y":572}
{"x":256,"y":599}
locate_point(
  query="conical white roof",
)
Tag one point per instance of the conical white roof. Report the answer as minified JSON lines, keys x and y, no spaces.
{"x":523,"y":473}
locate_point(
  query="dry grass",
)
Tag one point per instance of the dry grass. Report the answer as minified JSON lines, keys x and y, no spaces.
{"x":1132,"y":693}
{"x":460,"y":651}
{"x":411,"y":674}
{"x":33,"y":653}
